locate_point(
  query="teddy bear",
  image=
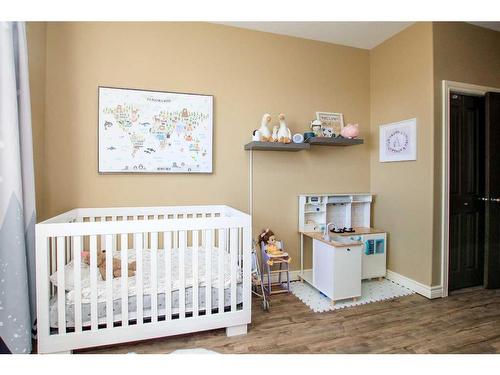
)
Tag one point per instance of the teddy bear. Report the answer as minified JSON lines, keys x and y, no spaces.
{"x":101,"y":264}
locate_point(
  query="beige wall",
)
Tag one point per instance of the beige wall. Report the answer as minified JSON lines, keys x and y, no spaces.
{"x":248,"y":73}
{"x":402,"y":88}
{"x":462,"y":53}
{"x":36,"y":35}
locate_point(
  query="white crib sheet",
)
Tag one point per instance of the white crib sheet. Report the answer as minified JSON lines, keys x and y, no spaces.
{"x":132,"y":306}
{"x":146,"y":256}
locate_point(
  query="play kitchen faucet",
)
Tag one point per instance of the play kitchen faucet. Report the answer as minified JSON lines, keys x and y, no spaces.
{"x":326,"y":236}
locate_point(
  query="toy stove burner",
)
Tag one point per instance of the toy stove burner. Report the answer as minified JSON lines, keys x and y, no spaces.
{"x":337,"y":230}
{"x":342,"y":230}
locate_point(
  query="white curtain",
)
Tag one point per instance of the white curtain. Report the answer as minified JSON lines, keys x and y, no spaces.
{"x":17,"y":193}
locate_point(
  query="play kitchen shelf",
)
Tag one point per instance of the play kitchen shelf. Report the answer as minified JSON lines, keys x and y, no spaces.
{"x":315,"y":141}
{"x":336,"y":271}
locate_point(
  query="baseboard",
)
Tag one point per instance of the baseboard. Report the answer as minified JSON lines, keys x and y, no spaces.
{"x":430,"y":292}
{"x":424,"y":290}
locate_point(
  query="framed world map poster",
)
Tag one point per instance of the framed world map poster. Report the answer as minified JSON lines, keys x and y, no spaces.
{"x":143,"y":131}
{"x":398,"y":141}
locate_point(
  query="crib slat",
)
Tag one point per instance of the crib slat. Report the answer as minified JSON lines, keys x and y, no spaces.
{"x":182,"y":274}
{"x":115,"y":237}
{"x":145,"y":235}
{"x":233,"y":243}
{"x":167,"y":244}
{"x":77,"y":282}
{"x":53,"y":261}
{"x":208,"y":272}
{"x":124,"y":278}
{"x":109,"y":280}
{"x":175,"y":234}
{"x":138,"y":278}
{"x":154,"y":277}
{"x":93,"y":282}
{"x":195,"y":273}
{"x":220,"y":273}
{"x":68,"y":249}
{"x":61,"y":294}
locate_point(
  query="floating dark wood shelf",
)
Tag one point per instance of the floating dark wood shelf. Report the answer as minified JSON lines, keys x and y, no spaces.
{"x":326,"y":141}
{"x":275,"y":146}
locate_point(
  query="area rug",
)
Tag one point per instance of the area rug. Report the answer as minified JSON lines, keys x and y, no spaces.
{"x":371,"y":291}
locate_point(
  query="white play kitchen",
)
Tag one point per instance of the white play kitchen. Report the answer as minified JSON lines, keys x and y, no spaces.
{"x":345,"y":249}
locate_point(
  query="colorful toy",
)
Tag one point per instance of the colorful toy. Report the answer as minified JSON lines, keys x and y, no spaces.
{"x":350,"y":131}
{"x":269,"y":240}
{"x":272,"y":254}
{"x":316,"y":128}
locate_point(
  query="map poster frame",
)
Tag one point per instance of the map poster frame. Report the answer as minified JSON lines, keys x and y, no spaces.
{"x":144,"y":131}
{"x":398,"y":141}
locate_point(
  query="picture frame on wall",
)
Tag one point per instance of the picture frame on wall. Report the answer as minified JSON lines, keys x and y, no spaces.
{"x":148,"y":131}
{"x":332,"y":123}
{"x":398,"y":141}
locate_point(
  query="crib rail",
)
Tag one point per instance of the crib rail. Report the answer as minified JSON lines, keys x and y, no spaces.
{"x":189,"y":271}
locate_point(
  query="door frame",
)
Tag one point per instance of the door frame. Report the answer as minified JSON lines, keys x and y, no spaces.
{"x":446,"y":88}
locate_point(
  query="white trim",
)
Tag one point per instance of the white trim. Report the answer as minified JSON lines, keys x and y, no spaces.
{"x":447,"y":88}
{"x":424,"y":290}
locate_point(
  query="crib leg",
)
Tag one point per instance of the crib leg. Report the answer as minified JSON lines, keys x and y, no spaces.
{"x":236,"y":330}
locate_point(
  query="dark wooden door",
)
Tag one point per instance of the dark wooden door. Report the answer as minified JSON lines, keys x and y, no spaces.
{"x":467,"y":190}
{"x":492,"y":269}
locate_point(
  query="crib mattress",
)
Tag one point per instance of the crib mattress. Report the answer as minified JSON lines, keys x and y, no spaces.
{"x":132,"y":306}
{"x":146,"y":277}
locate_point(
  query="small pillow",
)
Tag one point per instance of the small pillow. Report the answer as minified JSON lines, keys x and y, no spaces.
{"x":69,"y":275}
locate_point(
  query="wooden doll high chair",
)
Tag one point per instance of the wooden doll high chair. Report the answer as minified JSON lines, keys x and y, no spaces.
{"x":272,"y":254}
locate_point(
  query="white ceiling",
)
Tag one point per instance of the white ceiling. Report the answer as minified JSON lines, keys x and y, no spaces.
{"x":364,"y":35}
{"x":354,"y":34}
{"x":489,"y":25}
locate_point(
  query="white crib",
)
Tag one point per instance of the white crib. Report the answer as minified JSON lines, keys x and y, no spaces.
{"x":193,"y":273}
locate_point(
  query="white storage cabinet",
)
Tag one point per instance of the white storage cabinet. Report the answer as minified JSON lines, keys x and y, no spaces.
{"x":337,"y":270}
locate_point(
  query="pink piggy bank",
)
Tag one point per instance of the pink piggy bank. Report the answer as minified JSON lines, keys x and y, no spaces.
{"x":350,"y":131}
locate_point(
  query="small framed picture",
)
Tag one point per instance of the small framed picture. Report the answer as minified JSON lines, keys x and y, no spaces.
{"x":331,"y":123}
{"x":398,"y":141}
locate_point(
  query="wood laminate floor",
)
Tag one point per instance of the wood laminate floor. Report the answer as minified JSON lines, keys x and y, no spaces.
{"x":467,"y":322}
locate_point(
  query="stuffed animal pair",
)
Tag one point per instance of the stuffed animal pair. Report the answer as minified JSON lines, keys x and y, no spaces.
{"x":101,"y":264}
{"x":281,"y":133}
